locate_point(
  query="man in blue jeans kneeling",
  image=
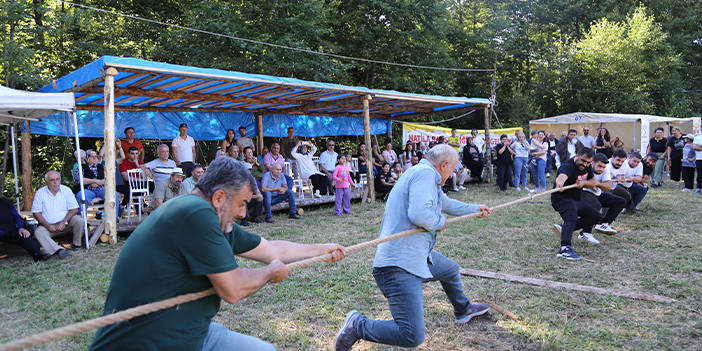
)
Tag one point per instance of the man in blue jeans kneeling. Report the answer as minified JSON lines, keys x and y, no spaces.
{"x":401,"y":266}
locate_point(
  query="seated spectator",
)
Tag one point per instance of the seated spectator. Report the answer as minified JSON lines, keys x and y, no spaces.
{"x":408,"y":153}
{"x":361,"y":155}
{"x":257,"y":168}
{"x":132,"y":162}
{"x":93,"y":183}
{"x":327,"y":163}
{"x":617,"y":144}
{"x":353,"y":172}
{"x":384,"y":182}
{"x":254,"y":207}
{"x":274,"y":157}
{"x":168,"y":189}
{"x":229,"y":139}
{"x":473,"y":158}
{"x":56,"y":209}
{"x":233,"y":152}
{"x":275,"y":189}
{"x":12,"y":231}
{"x":378,"y":159}
{"x":625,"y":172}
{"x":414,"y":161}
{"x":460,"y":175}
{"x":191,"y":181}
{"x":159,"y":169}
{"x":658,"y":145}
{"x":244,"y":141}
{"x":74,"y":171}
{"x":689,"y":163}
{"x":263,"y":154}
{"x":396,"y":171}
{"x":307,"y":168}
{"x":389,"y":154}
{"x":220,"y":153}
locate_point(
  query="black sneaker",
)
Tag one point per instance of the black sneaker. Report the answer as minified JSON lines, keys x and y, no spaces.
{"x":61,"y":253}
{"x":270,"y":220}
{"x":256,"y":220}
{"x":245,"y":223}
{"x":475,"y":309}
{"x":347,"y":336}
{"x":42,"y":257}
{"x":294,"y":216}
{"x":75,"y":248}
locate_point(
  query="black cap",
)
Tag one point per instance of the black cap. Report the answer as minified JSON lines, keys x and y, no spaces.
{"x":183,"y":125}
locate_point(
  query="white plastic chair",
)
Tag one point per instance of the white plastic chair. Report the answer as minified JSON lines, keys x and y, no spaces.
{"x":363,"y":179}
{"x":298,"y":184}
{"x":138,"y":190}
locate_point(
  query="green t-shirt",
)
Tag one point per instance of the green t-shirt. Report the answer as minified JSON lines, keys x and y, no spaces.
{"x":168,"y":255}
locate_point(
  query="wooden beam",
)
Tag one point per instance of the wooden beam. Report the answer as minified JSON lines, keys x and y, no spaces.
{"x":368,"y":151}
{"x":149,"y":83}
{"x":181,"y":109}
{"x":140,"y":81}
{"x":86,"y":95}
{"x":130,"y":78}
{"x":435,"y":113}
{"x":124,"y":101}
{"x":317,"y":105}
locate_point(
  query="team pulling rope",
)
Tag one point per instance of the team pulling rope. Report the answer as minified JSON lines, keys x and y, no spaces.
{"x":73,"y":329}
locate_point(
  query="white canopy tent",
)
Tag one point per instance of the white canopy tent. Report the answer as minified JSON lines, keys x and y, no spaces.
{"x":633,"y":130}
{"x":19,"y":106}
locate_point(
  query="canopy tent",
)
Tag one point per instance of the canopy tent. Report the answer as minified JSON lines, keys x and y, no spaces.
{"x":633,"y":130}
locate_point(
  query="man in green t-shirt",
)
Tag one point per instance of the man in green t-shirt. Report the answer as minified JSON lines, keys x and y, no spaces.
{"x":188,"y":245}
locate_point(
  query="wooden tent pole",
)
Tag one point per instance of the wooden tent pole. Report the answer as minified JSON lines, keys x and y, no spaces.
{"x":27,"y":189}
{"x":110,"y":160}
{"x":259,"y":131}
{"x":487,"y":178}
{"x":367,"y":137}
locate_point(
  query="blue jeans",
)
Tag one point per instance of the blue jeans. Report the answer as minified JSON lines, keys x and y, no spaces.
{"x":91,"y":195}
{"x":637,"y":195}
{"x":404,"y":293}
{"x":549,"y":163}
{"x":269,"y":200}
{"x":220,"y":338}
{"x":539,"y":172}
{"x":520,"y":172}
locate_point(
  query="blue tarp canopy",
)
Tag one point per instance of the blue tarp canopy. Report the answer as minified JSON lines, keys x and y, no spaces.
{"x":155,"y":98}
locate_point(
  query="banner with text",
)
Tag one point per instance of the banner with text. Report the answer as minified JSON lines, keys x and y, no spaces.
{"x":421,"y":133}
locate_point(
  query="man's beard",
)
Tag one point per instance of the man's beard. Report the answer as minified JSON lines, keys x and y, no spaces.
{"x":226,"y":224}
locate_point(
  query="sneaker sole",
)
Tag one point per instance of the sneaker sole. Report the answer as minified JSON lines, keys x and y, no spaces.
{"x":343,"y":327}
{"x":568,"y":258}
{"x":588,"y":241}
{"x":556,"y":230}
{"x":606,"y":232}
{"x":470,"y":316}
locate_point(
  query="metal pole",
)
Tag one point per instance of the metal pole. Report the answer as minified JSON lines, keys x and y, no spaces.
{"x":110,"y":185}
{"x":4,"y":161}
{"x":84,"y":212}
{"x":14,"y":165}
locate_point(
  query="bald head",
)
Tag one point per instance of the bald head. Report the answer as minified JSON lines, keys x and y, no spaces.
{"x":441,"y":153}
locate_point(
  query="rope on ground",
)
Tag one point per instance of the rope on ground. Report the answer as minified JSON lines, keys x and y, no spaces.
{"x":73,"y":329}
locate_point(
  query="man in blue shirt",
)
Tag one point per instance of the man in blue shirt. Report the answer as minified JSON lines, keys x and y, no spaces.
{"x":275,"y":189}
{"x":402,"y":265}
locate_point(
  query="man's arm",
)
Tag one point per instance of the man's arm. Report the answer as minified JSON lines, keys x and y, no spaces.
{"x":606,"y":185}
{"x":697,"y":147}
{"x":175,"y":153}
{"x":286,"y":251}
{"x":194,"y":153}
{"x":234,"y":285}
{"x":560,"y":180}
{"x":141,"y":154}
{"x":146,"y":170}
{"x":590,"y":183}
{"x":43,"y":221}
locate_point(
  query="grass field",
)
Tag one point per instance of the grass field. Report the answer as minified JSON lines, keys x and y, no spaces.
{"x":658,"y":251}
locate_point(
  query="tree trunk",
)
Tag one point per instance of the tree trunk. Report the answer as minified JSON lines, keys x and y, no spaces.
{"x":27,"y":189}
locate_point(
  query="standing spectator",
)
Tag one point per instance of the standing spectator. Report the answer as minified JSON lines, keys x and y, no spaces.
{"x":257,"y":167}
{"x":564,"y":135}
{"x":343,"y":193}
{"x":539,"y":150}
{"x":384,"y":182}
{"x":697,"y":146}
{"x":378,"y":159}
{"x":602,"y":143}
{"x":275,"y":189}
{"x":688,"y":163}
{"x":168,"y":189}
{"x":473,"y":158}
{"x":56,"y":210}
{"x":587,"y":140}
{"x":129,"y":141}
{"x":12,"y":231}
{"x":229,"y":139}
{"x":327,"y":162}
{"x":389,"y":154}
{"x":454,"y":140}
{"x":520,"y":162}
{"x":245,"y":141}
{"x":676,"y":144}
{"x":160,"y":168}
{"x":504,"y":162}
{"x":568,"y":147}
{"x":184,"y":150}
{"x":658,"y":144}
{"x":409,"y":152}
{"x":192,"y":181}
{"x":233,"y":152}
{"x":551,"y":156}
{"x":288,"y":145}
{"x":361,"y":155}
{"x":307,"y":168}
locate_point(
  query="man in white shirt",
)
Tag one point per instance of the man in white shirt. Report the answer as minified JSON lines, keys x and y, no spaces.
{"x":56,"y":209}
{"x":697,"y":146}
{"x":159,"y":169}
{"x":327,"y":163}
{"x":184,"y":150}
{"x":478,"y":140}
{"x":587,"y":140}
{"x":625,"y":172}
{"x":599,"y":197}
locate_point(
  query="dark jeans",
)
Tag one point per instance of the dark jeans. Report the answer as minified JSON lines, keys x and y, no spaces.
{"x":638,"y":193}
{"x":504,"y":174}
{"x":698,"y":163}
{"x":612,"y":203}
{"x":319,"y":182}
{"x":269,"y":200}
{"x":688,"y":175}
{"x":187,"y":168}
{"x":254,"y":208}
{"x":549,"y":163}
{"x":675,"y":169}
{"x":124,"y":190}
{"x":404,"y":293}
{"x":576,"y":215}
{"x":26,"y":243}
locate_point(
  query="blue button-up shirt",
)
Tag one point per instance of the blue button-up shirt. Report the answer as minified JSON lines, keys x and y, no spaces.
{"x":416,"y":201}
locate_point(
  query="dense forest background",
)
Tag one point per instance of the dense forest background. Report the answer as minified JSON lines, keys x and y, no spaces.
{"x":551,"y":56}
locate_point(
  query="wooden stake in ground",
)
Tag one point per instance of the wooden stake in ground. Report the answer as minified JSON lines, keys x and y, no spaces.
{"x":552,"y":284}
{"x":500,"y":309}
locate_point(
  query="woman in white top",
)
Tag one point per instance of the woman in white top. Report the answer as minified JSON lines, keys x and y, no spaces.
{"x":406,"y":156}
{"x":538,"y":151}
{"x":521,"y":159}
{"x":307,"y":167}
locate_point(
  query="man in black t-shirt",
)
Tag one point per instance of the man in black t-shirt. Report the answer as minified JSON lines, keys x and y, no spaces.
{"x":575,"y":212}
{"x":676,"y":144}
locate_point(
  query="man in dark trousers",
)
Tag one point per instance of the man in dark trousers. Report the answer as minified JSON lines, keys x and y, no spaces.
{"x":599,"y":197}
{"x":576,"y":213}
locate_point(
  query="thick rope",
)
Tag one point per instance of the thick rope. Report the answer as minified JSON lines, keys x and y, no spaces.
{"x":117,"y":317}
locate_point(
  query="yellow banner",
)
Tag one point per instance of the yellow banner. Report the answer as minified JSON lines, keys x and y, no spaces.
{"x":421,"y":133}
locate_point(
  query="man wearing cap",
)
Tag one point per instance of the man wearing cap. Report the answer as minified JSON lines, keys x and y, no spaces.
{"x":168,"y":189}
{"x":184,"y":150}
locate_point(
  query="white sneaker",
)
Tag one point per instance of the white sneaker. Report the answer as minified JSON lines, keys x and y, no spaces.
{"x":686,"y":190}
{"x":529,"y":190}
{"x":462,"y":187}
{"x":588,"y":237}
{"x":519,"y":189}
{"x":317,"y":194}
{"x":605,"y":228}
{"x":548,"y":175}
